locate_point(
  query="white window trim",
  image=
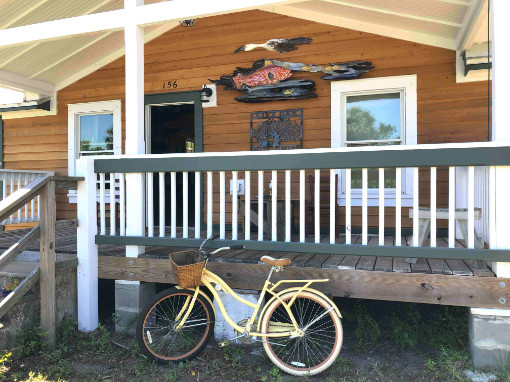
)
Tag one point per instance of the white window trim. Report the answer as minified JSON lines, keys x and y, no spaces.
{"x":405,"y":84}
{"x":74,"y":111}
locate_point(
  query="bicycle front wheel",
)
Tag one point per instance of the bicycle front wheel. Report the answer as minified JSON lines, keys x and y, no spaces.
{"x":317,"y":349}
{"x":157,"y":333}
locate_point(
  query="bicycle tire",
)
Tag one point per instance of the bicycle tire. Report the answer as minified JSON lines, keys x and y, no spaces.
{"x":155,"y":329}
{"x":317,"y":349}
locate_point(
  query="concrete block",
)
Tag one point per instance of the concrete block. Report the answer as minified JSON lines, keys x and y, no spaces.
{"x":130,"y":298}
{"x":235,"y":309}
{"x":489,"y":337}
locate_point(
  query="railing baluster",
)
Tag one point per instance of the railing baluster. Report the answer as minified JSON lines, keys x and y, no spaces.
{"x":433,"y":204}
{"x":364,"y":208}
{"x":317,"y":206}
{"x":332,"y":206}
{"x":173,"y":204}
{"x":222,"y":205}
{"x":113,"y":210}
{"x":471,"y":208}
{"x":185,"y":204}
{"x":302,"y":216}
{"x":235,"y":210}
{"x":197,"y":205}
{"x":162,"y":204}
{"x":32,"y":208}
{"x":150,"y":203}
{"x":11,"y":218}
{"x":492,"y":207}
{"x":26,"y":205}
{"x":287,"y":206}
{"x":122,"y":204}
{"x":451,"y":207}
{"x":247,"y":204}
{"x":260,"y":192}
{"x":18,"y":220}
{"x":209,"y":203}
{"x":38,"y":208}
{"x":381,"y":206}
{"x":348,"y":206}
{"x":102,"y":212}
{"x":416,"y":205}
{"x":398,"y":206}
{"x":274,"y":202}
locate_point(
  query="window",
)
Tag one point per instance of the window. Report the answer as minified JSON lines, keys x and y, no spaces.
{"x":374,"y":112}
{"x":94,"y":129}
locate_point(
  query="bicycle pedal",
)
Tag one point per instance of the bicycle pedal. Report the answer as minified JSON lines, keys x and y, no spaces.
{"x":222,"y":344}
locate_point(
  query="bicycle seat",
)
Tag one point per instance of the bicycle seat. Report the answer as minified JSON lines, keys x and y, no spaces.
{"x":275,"y":262}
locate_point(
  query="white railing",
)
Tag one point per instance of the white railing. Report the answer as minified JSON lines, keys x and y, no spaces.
{"x":13,"y":180}
{"x":269,"y":218}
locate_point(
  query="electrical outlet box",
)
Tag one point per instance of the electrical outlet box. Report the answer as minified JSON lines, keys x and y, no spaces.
{"x":240,"y":187}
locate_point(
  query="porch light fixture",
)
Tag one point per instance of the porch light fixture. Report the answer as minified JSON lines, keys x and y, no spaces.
{"x":188,"y":23}
{"x":205,"y":94}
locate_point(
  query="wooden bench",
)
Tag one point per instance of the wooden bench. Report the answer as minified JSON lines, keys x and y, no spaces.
{"x":461,"y":216}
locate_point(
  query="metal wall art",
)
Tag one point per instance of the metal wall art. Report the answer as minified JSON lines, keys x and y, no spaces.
{"x":279,"y":45}
{"x":268,"y":80}
{"x":276,"y":130}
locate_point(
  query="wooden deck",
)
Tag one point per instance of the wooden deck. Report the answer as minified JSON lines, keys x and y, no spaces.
{"x":66,"y":243}
{"x":433,"y":281}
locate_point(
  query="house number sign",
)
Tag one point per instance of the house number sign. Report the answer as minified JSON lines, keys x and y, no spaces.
{"x":170,"y":85}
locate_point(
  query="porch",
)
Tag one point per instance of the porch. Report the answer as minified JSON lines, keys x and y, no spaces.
{"x":432,"y":281}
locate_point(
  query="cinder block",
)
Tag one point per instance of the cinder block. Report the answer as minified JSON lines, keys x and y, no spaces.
{"x":130,"y":298}
{"x":235,"y":309}
{"x":489,"y":339}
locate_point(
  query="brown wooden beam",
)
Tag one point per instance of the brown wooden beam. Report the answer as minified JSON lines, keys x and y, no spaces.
{"x":22,"y":196}
{"x":482,"y":292}
{"x":22,"y":244}
{"x":13,"y":297}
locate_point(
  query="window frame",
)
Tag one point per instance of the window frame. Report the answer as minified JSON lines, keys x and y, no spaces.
{"x":340,"y":90}
{"x":75,"y":111}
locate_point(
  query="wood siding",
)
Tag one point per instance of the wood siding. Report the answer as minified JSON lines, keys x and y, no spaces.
{"x":447,"y":111}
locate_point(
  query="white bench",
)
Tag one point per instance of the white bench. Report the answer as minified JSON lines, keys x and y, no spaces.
{"x":461,"y":216}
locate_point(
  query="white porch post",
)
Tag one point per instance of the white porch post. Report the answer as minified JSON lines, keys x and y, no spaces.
{"x":86,"y":247}
{"x":135,"y":132}
{"x":501,"y":128}
{"x":489,"y":329}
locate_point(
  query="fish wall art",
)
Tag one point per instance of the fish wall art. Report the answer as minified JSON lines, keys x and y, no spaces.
{"x":268,"y":80}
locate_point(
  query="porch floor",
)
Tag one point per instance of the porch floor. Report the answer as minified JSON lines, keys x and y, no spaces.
{"x":66,"y":244}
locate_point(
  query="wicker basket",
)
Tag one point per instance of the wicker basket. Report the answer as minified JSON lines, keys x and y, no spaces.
{"x":187,"y":267}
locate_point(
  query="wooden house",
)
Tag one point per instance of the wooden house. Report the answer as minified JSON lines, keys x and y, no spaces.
{"x":411,"y":206}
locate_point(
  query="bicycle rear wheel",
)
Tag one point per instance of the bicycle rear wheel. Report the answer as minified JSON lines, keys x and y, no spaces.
{"x":317,"y":349}
{"x":156,"y":331}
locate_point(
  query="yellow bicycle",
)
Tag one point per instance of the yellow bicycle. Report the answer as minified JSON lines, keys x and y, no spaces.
{"x":299,"y":327}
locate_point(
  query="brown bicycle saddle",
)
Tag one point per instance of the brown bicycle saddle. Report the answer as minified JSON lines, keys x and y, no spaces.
{"x":275,"y":262}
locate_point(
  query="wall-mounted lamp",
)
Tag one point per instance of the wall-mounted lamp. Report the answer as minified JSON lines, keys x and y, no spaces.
{"x":188,"y":23}
{"x":205,"y":94}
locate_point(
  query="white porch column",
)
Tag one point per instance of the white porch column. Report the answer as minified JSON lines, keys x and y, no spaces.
{"x":501,"y":127}
{"x":135,"y":132}
{"x":489,"y":329}
{"x":86,"y":247}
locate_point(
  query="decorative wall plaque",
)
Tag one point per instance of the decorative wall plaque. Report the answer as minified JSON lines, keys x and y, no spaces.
{"x":276,"y":130}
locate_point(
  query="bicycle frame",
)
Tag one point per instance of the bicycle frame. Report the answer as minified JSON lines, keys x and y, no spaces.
{"x":208,"y":278}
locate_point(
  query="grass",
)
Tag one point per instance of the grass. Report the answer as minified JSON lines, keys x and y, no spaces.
{"x":397,"y":344}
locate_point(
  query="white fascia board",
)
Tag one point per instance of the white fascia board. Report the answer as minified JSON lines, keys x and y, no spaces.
{"x":149,"y":36}
{"x":343,"y":22}
{"x":474,"y":20}
{"x":183,"y":9}
{"x":64,"y":27}
{"x":19,"y":81}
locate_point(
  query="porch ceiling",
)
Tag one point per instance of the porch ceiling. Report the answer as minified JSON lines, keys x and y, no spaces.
{"x":54,"y":64}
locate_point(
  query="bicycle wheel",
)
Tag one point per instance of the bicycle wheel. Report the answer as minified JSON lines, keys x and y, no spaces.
{"x":317,"y":349}
{"x":156,"y":332}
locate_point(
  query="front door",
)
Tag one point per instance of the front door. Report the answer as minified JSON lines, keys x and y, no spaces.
{"x":174,"y":125}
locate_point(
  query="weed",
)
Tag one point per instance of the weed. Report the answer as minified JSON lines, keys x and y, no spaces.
{"x":100,"y":340}
{"x":66,"y":334}
{"x":449,"y":329}
{"x":504,"y":373}
{"x":276,"y":374}
{"x":144,"y":369}
{"x":233,"y":355}
{"x":30,"y":342}
{"x":367,"y":331}
{"x":3,"y":368}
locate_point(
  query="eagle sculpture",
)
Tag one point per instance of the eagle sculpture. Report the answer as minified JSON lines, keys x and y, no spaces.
{"x":279,"y":45}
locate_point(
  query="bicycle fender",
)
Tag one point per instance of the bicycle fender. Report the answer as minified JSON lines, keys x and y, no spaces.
{"x":297,"y":289}
{"x":204,"y":296}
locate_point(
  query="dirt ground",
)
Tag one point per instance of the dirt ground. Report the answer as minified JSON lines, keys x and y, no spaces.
{"x":377,"y":347}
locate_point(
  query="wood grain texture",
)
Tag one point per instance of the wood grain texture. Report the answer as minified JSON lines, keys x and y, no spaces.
{"x":447,"y":111}
{"x":407,"y":287}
